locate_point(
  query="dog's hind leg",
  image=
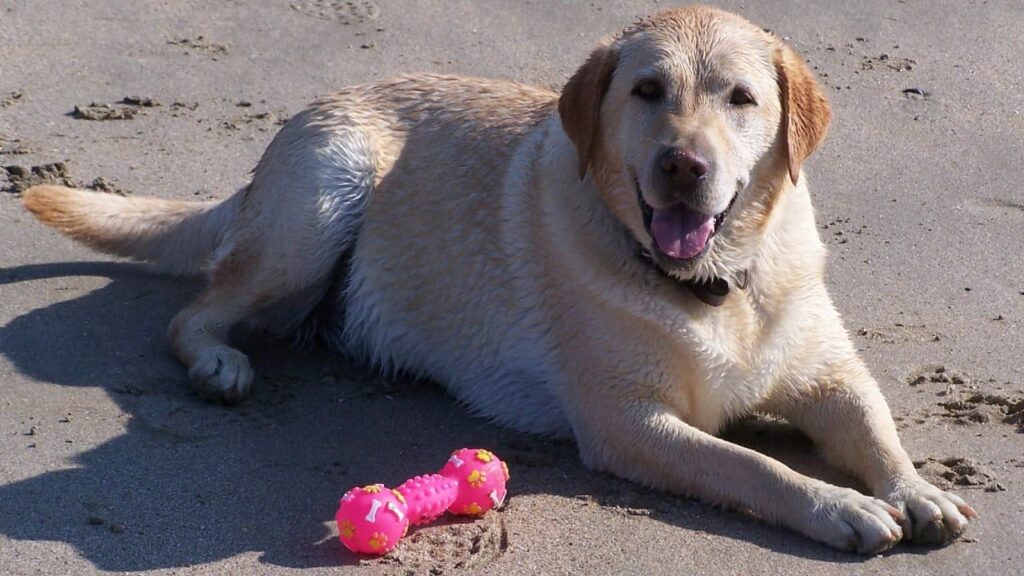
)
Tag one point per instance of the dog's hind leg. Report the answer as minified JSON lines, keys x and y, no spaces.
{"x":300,"y":214}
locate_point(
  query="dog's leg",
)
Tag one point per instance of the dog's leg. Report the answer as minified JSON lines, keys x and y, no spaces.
{"x":302,"y":211}
{"x":847,"y":416}
{"x":198,"y":335}
{"x":645,"y":441}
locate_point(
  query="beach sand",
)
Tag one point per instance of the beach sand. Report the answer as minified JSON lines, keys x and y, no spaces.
{"x":109,"y":464}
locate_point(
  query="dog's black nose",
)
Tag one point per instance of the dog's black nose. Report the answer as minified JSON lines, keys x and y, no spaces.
{"x":682,"y":169}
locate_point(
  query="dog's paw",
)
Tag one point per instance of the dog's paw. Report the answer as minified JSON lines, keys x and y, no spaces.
{"x":221,"y":373}
{"x":848,"y":520}
{"x":930,"y":515}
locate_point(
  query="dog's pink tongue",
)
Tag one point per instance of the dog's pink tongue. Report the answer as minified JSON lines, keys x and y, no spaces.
{"x":681,"y":232}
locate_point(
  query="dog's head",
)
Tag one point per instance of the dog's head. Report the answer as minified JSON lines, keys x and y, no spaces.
{"x":690,"y":123}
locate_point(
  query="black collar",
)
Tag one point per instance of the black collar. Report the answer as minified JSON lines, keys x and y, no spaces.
{"x":712,"y":292}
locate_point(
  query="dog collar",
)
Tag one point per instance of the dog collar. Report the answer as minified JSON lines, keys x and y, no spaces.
{"x":712,"y":292}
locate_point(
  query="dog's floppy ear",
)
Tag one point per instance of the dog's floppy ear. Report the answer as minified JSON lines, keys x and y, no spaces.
{"x":580,"y":103}
{"x":805,"y":109}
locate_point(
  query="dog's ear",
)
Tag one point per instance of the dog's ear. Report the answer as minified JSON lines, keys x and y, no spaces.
{"x":805,"y":109}
{"x":580,"y":103}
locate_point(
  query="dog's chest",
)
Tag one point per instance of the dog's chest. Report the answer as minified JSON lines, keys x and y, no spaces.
{"x":738,"y":356}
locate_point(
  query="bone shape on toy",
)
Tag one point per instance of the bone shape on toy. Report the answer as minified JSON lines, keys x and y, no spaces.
{"x":372,"y":519}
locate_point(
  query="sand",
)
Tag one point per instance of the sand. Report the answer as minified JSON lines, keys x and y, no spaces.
{"x":109,"y":464}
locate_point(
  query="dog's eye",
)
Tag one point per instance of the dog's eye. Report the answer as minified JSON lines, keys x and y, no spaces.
{"x":648,"y":90}
{"x":741,"y":97}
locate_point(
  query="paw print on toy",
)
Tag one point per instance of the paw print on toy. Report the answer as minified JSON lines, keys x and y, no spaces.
{"x":476,"y":478}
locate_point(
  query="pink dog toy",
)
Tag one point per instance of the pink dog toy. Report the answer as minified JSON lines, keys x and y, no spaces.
{"x":372,"y":519}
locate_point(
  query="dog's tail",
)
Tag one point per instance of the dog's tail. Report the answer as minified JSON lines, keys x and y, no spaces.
{"x":176,"y":237}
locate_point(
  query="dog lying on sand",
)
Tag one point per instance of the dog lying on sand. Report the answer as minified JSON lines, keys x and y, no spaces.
{"x":633,"y":263}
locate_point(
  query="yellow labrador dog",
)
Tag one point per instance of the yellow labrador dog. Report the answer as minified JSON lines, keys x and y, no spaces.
{"x":633,"y":263}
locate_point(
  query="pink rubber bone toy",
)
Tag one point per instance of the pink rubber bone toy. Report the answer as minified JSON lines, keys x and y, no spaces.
{"x":372,"y":519}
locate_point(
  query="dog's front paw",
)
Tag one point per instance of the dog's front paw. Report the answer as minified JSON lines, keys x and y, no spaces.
{"x":930,"y":515}
{"x":848,"y":520}
{"x":221,"y":373}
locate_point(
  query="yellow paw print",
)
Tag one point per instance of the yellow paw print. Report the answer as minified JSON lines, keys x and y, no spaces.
{"x":476,"y":478}
{"x":346,"y":529}
{"x":504,"y":468}
{"x":398,"y":495}
{"x":472,"y":509}
{"x":372,"y":488}
{"x":378,"y":541}
{"x":484,"y":456}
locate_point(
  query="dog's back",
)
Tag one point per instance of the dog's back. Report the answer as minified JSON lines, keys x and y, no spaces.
{"x":392,"y":183}
{"x":363,"y":129}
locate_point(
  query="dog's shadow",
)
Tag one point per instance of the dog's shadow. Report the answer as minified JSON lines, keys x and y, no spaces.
{"x":183,"y":482}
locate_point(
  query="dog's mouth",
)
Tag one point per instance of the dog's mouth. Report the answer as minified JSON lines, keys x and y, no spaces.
{"x":680,"y":233}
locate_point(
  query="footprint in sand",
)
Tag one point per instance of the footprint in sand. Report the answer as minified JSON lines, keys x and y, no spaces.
{"x":462,"y":546}
{"x":962,"y":472}
{"x":963,"y":400}
{"x":344,"y":11}
{"x":996,"y":207}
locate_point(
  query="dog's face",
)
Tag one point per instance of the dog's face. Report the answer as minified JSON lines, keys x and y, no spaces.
{"x":677,"y":116}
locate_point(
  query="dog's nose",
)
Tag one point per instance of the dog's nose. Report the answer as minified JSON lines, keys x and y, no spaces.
{"x":682,"y":169}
